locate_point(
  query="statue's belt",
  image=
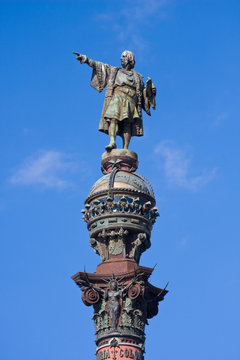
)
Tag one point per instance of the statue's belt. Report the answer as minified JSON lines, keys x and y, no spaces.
{"x":126,"y":90}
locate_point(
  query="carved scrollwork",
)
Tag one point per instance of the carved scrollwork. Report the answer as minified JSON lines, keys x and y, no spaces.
{"x":90,"y":296}
{"x":134,"y":291}
{"x":119,"y":306}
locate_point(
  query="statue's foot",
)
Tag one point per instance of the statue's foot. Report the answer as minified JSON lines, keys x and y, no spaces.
{"x":110,"y":147}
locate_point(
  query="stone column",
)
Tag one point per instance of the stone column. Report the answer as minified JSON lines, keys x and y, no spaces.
{"x":120,"y":211}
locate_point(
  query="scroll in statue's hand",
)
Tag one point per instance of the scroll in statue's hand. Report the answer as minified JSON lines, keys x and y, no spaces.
{"x":154,"y":91}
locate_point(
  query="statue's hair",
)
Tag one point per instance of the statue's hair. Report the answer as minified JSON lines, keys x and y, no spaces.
{"x":130,"y":56}
{"x":113,"y":281}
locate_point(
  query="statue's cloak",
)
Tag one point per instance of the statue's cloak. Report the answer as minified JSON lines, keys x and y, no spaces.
{"x":103,"y":76}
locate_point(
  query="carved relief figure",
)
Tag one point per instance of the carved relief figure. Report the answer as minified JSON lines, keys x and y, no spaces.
{"x":126,"y":96}
{"x":112,"y":296}
{"x":140,"y":244}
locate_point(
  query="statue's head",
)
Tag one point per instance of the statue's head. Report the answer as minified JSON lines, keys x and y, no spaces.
{"x":113,"y":285}
{"x":127,"y":57}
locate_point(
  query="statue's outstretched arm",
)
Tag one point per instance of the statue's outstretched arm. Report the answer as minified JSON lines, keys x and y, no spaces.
{"x":127,"y":287}
{"x":131,"y":283}
{"x":84,"y":59}
{"x":98,"y":289}
{"x":100,"y":71}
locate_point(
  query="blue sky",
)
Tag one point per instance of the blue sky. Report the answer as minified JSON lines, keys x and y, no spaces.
{"x":50,"y":157}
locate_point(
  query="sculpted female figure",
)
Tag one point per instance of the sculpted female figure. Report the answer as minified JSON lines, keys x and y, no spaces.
{"x":113,"y":295}
{"x":126,"y":96}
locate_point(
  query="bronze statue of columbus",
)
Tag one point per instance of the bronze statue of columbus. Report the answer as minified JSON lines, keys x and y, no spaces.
{"x":125,"y":97}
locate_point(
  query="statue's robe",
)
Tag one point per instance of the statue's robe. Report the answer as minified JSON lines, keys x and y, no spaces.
{"x":124,"y":99}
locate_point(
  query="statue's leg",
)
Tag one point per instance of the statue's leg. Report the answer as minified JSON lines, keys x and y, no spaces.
{"x":114,"y":315}
{"x":112,"y":132}
{"x":126,"y":134}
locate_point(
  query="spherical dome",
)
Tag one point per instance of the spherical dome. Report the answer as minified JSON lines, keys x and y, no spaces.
{"x":120,"y":200}
{"x":122,"y":180}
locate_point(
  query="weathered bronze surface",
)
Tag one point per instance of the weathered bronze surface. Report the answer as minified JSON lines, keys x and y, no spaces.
{"x":126,"y":96}
{"x":120,"y":212}
{"x":122,"y":303}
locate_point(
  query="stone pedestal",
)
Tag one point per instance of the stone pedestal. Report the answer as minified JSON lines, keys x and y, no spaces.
{"x":125,"y":159}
